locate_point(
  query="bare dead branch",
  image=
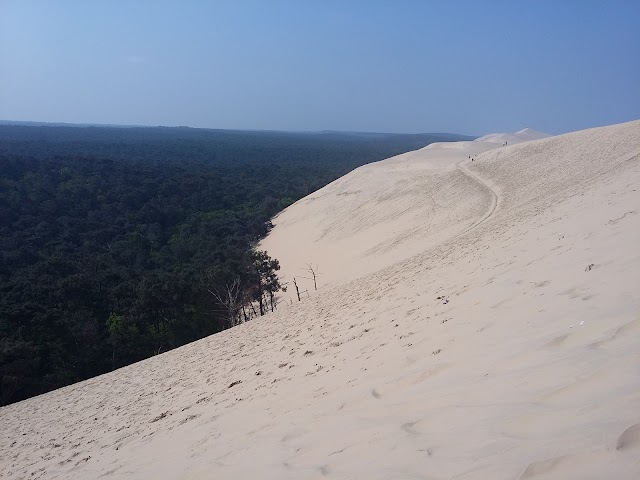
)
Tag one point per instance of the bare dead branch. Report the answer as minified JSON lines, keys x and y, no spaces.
{"x":314,"y":273}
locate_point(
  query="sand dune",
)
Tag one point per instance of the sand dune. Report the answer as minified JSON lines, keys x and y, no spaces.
{"x":476,"y":320}
{"x":386,"y":211}
{"x":524,"y":135}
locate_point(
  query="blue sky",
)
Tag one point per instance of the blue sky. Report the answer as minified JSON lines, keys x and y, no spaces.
{"x":394,"y":66}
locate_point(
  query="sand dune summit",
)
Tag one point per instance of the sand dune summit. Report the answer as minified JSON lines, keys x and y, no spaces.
{"x":478,"y":317}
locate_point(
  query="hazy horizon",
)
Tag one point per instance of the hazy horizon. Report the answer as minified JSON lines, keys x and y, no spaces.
{"x":10,"y":122}
{"x":411,"y":67}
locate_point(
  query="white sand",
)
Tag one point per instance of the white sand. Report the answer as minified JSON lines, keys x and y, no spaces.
{"x":531,"y":370}
{"x":385,"y":212}
{"x":524,"y":135}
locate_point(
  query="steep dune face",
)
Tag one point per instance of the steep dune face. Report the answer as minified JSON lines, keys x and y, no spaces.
{"x":385,"y":212}
{"x":498,"y":341}
{"x":380,"y":213}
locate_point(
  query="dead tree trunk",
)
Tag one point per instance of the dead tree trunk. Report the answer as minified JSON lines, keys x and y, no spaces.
{"x":271,"y":299}
{"x":314,"y":274}
{"x":297,"y":291}
{"x":229,"y":298}
{"x":261,"y":301}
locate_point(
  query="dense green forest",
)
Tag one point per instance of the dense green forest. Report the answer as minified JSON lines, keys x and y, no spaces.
{"x":120,"y":243}
{"x":330,"y":152}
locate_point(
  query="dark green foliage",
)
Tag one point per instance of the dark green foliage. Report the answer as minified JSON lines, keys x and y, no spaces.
{"x":340,"y":152}
{"x":106,"y":261}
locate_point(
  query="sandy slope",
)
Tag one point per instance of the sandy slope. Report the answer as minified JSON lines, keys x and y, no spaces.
{"x":385,"y":212}
{"x":524,"y":135}
{"x":530,"y":370}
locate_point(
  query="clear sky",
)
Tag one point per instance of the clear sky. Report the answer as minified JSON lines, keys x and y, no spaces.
{"x":469,"y":67}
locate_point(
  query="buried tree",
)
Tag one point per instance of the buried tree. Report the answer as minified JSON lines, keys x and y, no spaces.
{"x":314,"y":274}
{"x":265,"y":281}
{"x":259,"y":284}
{"x":231,"y":298}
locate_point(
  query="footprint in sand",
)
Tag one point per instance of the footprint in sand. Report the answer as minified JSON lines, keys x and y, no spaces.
{"x":556,"y":342}
{"x":620,"y":331}
{"x":542,"y":467}
{"x":629,"y":439}
{"x":409,"y":428}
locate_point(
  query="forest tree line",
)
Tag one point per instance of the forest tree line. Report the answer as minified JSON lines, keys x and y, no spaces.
{"x":106,"y":260}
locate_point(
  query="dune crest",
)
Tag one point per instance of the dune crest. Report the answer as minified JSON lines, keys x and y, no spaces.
{"x":477,"y":318}
{"x":524,"y":135}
